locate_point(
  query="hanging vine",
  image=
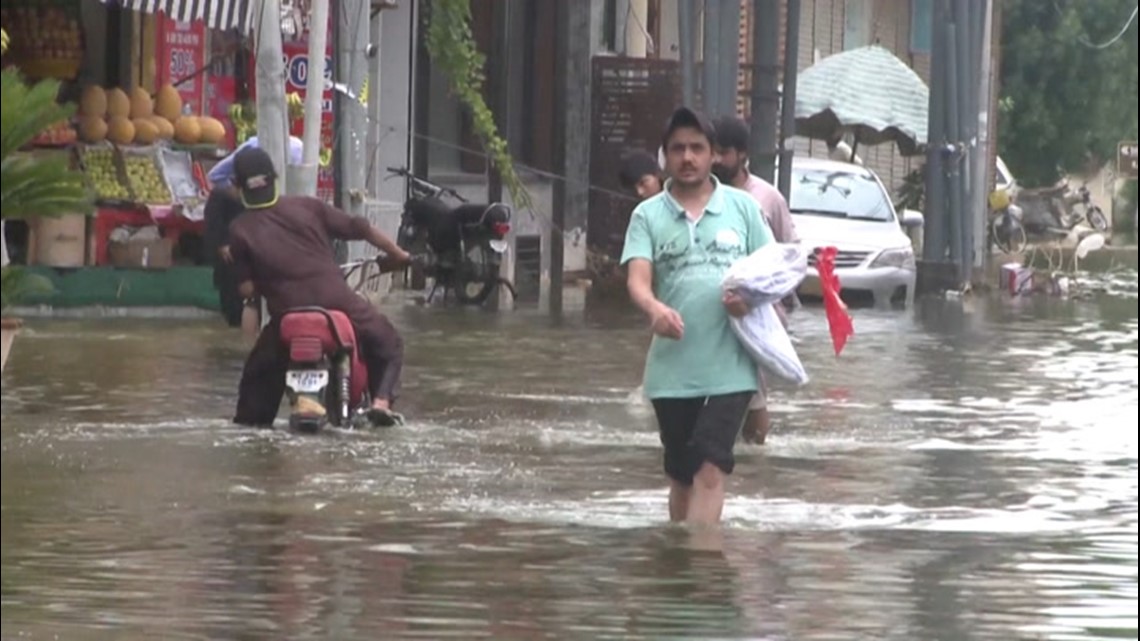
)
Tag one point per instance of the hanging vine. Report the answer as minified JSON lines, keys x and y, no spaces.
{"x":452,"y":48}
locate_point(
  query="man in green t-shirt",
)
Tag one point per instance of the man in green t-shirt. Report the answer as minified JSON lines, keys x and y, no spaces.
{"x":699,"y":378}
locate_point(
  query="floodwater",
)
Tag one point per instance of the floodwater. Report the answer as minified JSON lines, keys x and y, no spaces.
{"x":960,"y":473}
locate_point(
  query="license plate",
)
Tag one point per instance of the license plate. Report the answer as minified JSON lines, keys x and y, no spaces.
{"x":307,"y":381}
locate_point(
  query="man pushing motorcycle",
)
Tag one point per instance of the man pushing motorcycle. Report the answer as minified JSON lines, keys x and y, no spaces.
{"x":282,"y":251}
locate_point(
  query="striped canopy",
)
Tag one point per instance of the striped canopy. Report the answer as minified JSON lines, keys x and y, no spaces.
{"x":217,"y":14}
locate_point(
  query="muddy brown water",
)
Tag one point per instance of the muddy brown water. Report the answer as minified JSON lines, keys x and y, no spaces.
{"x":957,"y":474}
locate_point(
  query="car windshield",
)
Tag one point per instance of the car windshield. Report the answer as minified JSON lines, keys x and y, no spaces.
{"x":839,"y":194}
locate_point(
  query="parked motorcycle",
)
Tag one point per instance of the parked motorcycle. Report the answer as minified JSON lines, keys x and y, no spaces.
{"x":459,"y":246}
{"x":1082,"y":209}
{"x":326,"y":381}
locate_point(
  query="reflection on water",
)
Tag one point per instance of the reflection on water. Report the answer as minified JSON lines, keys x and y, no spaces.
{"x":959,"y":473}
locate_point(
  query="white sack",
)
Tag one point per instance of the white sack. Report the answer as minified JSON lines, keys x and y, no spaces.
{"x":763,"y":279}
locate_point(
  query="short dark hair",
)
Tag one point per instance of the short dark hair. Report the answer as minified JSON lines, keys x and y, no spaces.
{"x":732,"y":133}
{"x":636,"y":165}
{"x":683,"y":118}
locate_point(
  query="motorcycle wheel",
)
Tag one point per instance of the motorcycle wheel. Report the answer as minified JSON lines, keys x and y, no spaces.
{"x":476,"y":278}
{"x":1097,"y":219}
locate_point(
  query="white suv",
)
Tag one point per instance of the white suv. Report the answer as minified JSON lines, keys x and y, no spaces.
{"x":846,"y":206}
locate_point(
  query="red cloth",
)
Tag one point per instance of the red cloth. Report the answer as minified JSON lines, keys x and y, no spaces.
{"x":838,"y":320}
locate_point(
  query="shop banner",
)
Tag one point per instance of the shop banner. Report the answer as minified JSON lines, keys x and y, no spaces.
{"x":180,"y":52}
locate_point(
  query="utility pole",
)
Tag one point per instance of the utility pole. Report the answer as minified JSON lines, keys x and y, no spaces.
{"x":788,"y":110}
{"x":352,"y":124}
{"x":272,"y":124}
{"x":314,"y":97}
{"x":765,"y":88}
{"x":982,"y":159}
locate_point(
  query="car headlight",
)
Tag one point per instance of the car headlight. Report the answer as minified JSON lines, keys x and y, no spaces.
{"x":901,"y":258}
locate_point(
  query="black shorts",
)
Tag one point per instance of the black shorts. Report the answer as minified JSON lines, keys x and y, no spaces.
{"x":696,"y":430}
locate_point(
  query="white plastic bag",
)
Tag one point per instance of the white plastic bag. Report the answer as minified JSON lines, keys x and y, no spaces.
{"x":763,"y":279}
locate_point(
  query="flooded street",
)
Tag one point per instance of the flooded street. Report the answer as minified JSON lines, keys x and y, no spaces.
{"x":953,"y":476}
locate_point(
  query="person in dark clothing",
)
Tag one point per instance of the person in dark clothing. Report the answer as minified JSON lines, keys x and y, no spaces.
{"x":222,"y":208}
{"x":640,"y":173}
{"x":282,"y":250}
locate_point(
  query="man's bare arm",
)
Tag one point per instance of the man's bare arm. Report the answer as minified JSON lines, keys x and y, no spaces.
{"x":664,"y":320}
{"x":640,"y":285}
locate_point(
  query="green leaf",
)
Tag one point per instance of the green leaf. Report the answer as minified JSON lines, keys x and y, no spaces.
{"x":35,"y":185}
{"x":17,"y":285}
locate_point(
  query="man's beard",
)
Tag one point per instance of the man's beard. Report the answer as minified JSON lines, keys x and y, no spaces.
{"x":726,"y":174}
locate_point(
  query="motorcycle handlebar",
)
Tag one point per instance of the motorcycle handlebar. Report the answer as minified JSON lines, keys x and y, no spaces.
{"x":425,"y":184}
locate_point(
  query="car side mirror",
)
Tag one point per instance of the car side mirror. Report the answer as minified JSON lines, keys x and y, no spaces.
{"x":912,"y":219}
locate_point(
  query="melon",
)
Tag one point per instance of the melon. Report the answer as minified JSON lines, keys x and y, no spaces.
{"x":120,"y":130}
{"x":141,"y":104}
{"x":146,"y":132}
{"x":168,"y":103}
{"x":93,"y":101}
{"x":92,"y":129}
{"x":165,"y":127}
{"x":213,"y":131}
{"x":187,"y":130}
{"x":118,"y":104}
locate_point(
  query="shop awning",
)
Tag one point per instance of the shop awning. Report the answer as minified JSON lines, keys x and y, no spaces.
{"x":217,"y":14}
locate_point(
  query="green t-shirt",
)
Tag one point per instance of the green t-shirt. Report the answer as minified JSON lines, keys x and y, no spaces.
{"x":689,"y":261}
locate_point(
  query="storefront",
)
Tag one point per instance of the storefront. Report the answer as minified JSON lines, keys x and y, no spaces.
{"x":154,"y":90}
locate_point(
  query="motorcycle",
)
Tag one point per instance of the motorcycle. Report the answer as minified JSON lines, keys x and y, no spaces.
{"x":460,"y":247}
{"x":1081,"y":208}
{"x":326,"y":381}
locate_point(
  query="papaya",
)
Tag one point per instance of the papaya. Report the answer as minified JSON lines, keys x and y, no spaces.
{"x":120,"y":130}
{"x":141,"y":104}
{"x":168,"y":103}
{"x":187,"y":130}
{"x":93,"y":101}
{"x":118,"y":104}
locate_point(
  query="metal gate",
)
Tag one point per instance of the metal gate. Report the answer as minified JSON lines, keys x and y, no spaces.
{"x":632,"y":99}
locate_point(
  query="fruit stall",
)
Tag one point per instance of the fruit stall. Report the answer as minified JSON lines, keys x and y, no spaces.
{"x":144,"y":134}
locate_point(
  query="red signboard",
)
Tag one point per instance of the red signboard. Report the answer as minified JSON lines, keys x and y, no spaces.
{"x":180,"y":52}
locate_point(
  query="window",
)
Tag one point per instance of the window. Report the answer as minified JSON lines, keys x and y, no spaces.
{"x":921,"y":25}
{"x":839,"y":194}
{"x":856,"y":24}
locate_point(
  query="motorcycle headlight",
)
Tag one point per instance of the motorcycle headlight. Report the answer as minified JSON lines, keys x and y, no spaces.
{"x":901,"y":258}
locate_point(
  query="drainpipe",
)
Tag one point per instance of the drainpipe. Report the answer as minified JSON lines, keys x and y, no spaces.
{"x":765,"y":87}
{"x":935,"y":225}
{"x":953,"y":134}
{"x":966,"y":93}
{"x":791,"y":73}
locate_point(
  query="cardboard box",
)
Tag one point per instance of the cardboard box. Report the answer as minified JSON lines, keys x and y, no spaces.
{"x":1016,"y":279}
{"x":148,"y":254}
